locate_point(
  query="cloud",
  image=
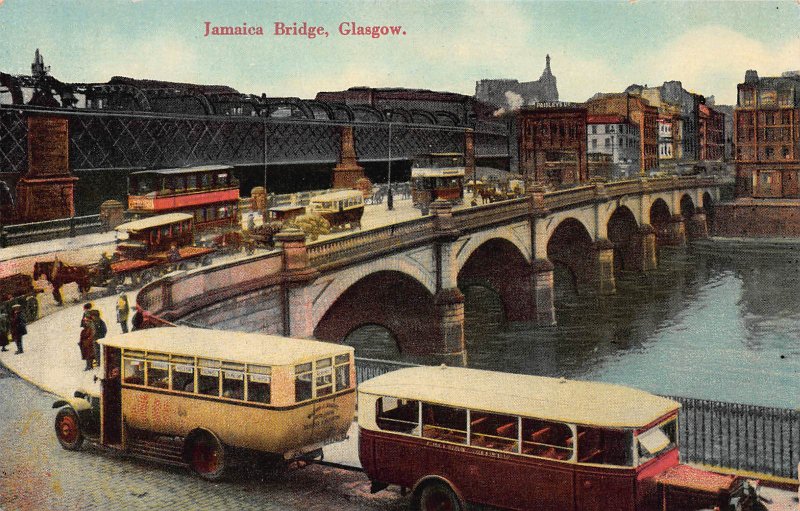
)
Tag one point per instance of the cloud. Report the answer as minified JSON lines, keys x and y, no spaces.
{"x":712,"y":59}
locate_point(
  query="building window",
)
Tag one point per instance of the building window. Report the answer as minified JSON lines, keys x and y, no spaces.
{"x":594,"y":129}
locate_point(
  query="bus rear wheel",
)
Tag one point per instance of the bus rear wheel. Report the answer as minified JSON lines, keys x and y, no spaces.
{"x":68,"y":430}
{"x":206,"y":457}
{"x":437,"y":496}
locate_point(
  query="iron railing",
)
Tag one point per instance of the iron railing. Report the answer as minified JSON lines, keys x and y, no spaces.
{"x":49,"y":229}
{"x":730,"y":436}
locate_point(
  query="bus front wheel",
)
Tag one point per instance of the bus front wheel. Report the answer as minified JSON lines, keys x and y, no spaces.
{"x":437,"y":496}
{"x":206,"y":456}
{"x":68,"y":430}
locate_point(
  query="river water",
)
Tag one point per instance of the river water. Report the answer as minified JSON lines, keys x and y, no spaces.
{"x":708,"y":323}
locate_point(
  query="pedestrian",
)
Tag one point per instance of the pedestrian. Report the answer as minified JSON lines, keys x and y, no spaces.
{"x":100,"y":331}
{"x":18,"y":327}
{"x":123,"y":309}
{"x":87,"y":307}
{"x":86,"y":342}
{"x":4,"y":328}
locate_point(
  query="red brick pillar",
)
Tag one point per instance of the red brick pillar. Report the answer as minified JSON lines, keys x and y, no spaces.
{"x":543,"y":292}
{"x":347,"y":171}
{"x":604,"y":267}
{"x":698,"y":225}
{"x":469,"y":153}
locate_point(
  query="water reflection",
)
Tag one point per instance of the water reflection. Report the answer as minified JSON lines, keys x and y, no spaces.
{"x":711,"y":325}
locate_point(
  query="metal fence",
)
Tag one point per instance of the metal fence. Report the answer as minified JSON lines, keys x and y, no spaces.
{"x":50,"y":229}
{"x":733,"y":436}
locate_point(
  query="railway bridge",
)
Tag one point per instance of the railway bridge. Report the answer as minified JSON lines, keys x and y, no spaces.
{"x":408,"y":277}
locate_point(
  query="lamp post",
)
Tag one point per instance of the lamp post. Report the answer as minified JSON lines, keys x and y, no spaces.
{"x":389,"y":198}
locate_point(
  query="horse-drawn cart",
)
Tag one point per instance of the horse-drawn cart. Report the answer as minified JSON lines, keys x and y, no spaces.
{"x":18,"y":289}
{"x":154,"y":246}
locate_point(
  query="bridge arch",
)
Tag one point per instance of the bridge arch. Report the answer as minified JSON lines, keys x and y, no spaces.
{"x":623,"y":232}
{"x":571,"y":247}
{"x":501,"y":266}
{"x":687,"y":207}
{"x":480,"y":238}
{"x":392,"y":299}
{"x":660,"y":218}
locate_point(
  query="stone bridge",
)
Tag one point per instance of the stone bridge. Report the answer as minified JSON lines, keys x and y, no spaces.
{"x":409,"y":277}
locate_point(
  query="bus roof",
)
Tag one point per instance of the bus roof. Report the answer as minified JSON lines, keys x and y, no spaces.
{"x":153,"y":221}
{"x":183,"y":170}
{"x":437,"y":172}
{"x":570,"y":401}
{"x":243,"y":347}
{"x":338,"y":195}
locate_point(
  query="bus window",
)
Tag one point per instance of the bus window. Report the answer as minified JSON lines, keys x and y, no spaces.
{"x":259,"y":379}
{"x":205,"y":180}
{"x":191,"y":182}
{"x":493,"y":431}
{"x":444,"y":423}
{"x":133,"y":371}
{"x":546,"y":439}
{"x":605,"y":446}
{"x":157,"y":370}
{"x":324,"y":379}
{"x":657,"y":440}
{"x":233,"y":380}
{"x":182,"y":373}
{"x":208,"y":379}
{"x":302,"y":382}
{"x":399,"y":415}
{"x":342,"y":372}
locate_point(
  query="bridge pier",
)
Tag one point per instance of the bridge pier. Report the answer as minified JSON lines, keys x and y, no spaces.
{"x":645,"y":257}
{"x":604,"y":267}
{"x":698,"y":225}
{"x":296,"y":275}
{"x":675,"y":233}
{"x":347,"y":171}
{"x":543,"y":296}
{"x":449,"y":347}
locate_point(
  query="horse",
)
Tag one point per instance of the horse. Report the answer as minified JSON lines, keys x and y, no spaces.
{"x":58,"y":274}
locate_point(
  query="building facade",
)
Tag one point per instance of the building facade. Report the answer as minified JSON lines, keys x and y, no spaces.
{"x":552,"y":143}
{"x":613,"y":139}
{"x":712,"y":134}
{"x":638,"y":112}
{"x":767,"y":136}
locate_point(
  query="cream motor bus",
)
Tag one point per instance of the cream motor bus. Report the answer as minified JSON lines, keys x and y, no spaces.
{"x":196,"y":397}
{"x":456,"y":435}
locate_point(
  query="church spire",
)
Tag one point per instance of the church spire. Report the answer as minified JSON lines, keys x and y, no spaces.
{"x":547,"y":65}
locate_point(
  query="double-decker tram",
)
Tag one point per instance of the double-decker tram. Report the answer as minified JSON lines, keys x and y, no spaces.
{"x":437,"y":176}
{"x":456,"y":435}
{"x":200,"y":398}
{"x":209,"y":193}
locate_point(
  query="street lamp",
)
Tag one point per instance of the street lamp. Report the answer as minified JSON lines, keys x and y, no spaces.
{"x":389,"y":198}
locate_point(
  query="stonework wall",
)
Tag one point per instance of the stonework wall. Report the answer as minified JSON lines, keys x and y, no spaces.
{"x":757,"y":220}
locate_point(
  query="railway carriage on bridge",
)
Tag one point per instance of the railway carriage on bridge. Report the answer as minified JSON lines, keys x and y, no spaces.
{"x":200,"y":398}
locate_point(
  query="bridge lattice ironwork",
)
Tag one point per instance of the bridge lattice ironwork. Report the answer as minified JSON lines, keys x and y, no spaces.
{"x":103,"y":140}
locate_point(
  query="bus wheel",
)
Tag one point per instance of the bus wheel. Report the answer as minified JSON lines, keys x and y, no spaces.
{"x":68,"y":430}
{"x":437,"y":496}
{"x":207,"y":457}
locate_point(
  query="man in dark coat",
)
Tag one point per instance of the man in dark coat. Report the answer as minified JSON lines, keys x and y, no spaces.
{"x":86,"y":343}
{"x":5,"y":325}
{"x":18,"y":327}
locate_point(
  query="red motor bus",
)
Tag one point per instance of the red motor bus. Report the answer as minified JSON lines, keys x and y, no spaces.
{"x":209,"y":193}
{"x":457,"y":435}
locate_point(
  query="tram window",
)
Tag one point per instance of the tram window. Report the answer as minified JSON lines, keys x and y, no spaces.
{"x":324,"y":377}
{"x":605,"y":446}
{"x":259,"y":379}
{"x":657,"y":440}
{"x":133,"y":371}
{"x":302,"y":382}
{"x":400,"y":415}
{"x":158,"y":374}
{"x":444,"y":423}
{"x":342,"y":372}
{"x":208,"y":377}
{"x":191,"y":182}
{"x":493,"y":431}
{"x":183,"y":376}
{"x":546,"y":439}
{"x":205,"y":180}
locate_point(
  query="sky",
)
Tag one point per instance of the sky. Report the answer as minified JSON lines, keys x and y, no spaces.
{"x":596,"y":46}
